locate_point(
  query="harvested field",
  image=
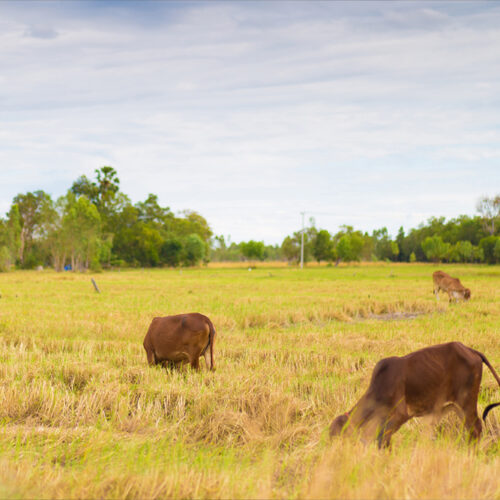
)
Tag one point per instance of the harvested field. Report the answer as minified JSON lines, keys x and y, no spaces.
{"x":83,"y":415}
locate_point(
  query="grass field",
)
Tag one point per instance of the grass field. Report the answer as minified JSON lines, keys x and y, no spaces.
{"x":83,"y":416}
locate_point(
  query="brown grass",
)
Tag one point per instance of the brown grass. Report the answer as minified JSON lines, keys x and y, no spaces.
{"x":83,"y":416}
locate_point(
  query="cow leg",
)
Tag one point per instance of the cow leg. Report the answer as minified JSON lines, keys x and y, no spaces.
{"x":389,"y":427}
{"x":169,"y":365}
{"x":151,"y":357}
{"x":207,"y":358}
{"x":195,"y":363}
{"x":436,"y":292}
{"x":473,"y":423}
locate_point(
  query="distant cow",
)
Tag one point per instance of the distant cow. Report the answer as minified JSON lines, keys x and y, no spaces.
{"x":451,"y":286}
{"x":420,"y":383}
{"x":179,"y":339}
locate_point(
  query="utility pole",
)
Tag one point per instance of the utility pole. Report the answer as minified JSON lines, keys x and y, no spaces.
{"x":302,"y":243}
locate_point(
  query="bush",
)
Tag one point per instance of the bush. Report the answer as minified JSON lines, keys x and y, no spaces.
{"x":31,"y":261}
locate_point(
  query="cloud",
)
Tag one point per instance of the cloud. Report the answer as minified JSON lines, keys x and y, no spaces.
{"x":39,"y":31}
{"x":247,"y":113}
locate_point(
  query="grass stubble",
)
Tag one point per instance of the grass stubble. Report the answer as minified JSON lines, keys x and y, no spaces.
{"x":83,"y":416}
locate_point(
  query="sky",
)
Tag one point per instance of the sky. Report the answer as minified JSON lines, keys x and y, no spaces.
{"x":368,"y":113}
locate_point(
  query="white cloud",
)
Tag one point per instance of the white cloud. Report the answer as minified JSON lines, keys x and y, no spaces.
{"x":245,"y":112}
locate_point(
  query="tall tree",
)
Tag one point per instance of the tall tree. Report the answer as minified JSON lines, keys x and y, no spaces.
{"x":489,"y":208}
{"x":75,"y":233}
{"x":103,"y":192}
{"x":435,"y":248}
{"x":151,"y":212}
{"x":349,"y":246}
{"x":323,"y":248}
{"x":253,"y":249}
{"x":488,"y":246}
{"x":10,"y":234}
{"x":190,"y":222}
{"x":194,"y":249}
{"x":35,"y":210}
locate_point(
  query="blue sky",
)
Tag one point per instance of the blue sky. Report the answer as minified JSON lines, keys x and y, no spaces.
{"x":368,"y":114}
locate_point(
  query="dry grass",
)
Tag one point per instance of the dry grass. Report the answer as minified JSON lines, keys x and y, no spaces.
{"x":83,"y":416}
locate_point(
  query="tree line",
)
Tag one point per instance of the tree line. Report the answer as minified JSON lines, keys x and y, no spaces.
{"x":95,"y":225}
{"x":461,"y":239}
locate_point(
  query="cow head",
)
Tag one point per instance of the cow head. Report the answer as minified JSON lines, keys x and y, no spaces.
{"x":466,"y":294}
{"x":338,"y":424}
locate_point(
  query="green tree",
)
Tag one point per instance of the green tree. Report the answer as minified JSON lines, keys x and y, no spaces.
{"x":496,"y":250}
{"x":104,"y":193}
{"x":10,"y":237}
{"x":223,"y":251}
{"x":290,"y":248}
{"x":400,"y":240}
{"x":194,"y":249}
{"x":35,"y":211}
{"x":82,"y":225}
{"x":489,"y":208}
{"x":488,"y":245}
{"x":171,"y":252}
{"x":59,"y":235}
{"x":5,"y":259}
{"x":435,"y":248}
{"x":150,"y":211}
{"x":253,"y":249}
{"x":323,"y":247}
{"x":148,"y":244}
{"x":478,"y":254}
{"x":190,"y":223}
{"x":349,"y":247}
{"x":384,"y":247}
{"x":74,"y":233}
{"x":465,"y":251}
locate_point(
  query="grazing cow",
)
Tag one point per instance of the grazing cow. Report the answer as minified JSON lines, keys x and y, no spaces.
{"x":420,"y":383}
{"x":179,"y":339}
{"x":451,"y":286}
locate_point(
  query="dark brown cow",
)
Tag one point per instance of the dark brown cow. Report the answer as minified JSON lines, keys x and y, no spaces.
{"x":179,"y":339}
{"x":420,"y":383}
{"x":451,"y":286}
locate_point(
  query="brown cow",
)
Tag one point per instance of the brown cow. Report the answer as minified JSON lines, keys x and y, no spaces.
{"x":451,"y":286}
{"x":420,"y":383}
{"x":179,"y":339}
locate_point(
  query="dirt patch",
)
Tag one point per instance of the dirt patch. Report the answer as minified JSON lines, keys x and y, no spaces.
{"x":395,"y":315}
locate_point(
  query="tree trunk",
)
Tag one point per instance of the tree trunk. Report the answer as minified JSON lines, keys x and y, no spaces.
{"x":22,"y":244}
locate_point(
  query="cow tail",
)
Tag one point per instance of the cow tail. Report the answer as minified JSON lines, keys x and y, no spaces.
{"x":488,"y":408}
{"x":211,"y":340}
{"x":497,"y":378}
